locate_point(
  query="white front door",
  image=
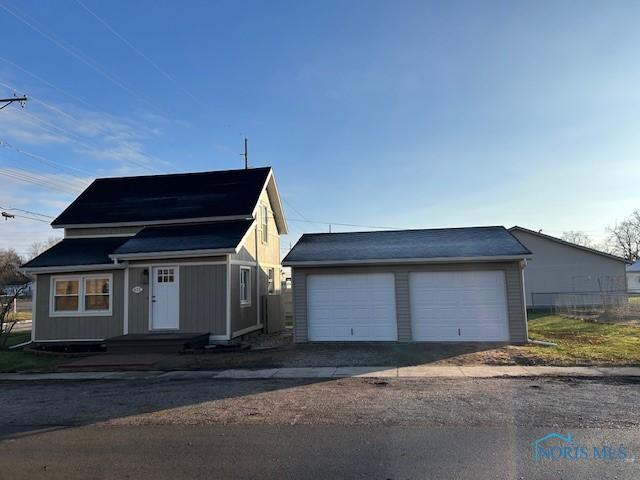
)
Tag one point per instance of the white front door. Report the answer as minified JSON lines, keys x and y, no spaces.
{"x":458,"y":306}
{"x":352,"y":307}
{"x":164,"y":298}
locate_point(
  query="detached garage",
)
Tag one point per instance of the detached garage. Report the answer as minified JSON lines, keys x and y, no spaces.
{"x":439,"y":285}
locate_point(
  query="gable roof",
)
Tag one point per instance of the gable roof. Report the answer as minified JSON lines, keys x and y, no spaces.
{"x":441,"y":244}
{"x":568,"y":244}
{"x":159,"y":199}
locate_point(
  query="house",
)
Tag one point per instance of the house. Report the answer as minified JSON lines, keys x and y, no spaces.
{"x":194,"y":252}
{"x":633,"y":277}
{"x":559,"y":267}
{"x":452,"y":284}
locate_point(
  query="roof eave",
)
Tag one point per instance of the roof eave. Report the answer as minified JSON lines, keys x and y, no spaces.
{"x":417,"y":261}
{"x":155,"y":222}
{"x":72,"y":268}
{"x":171,"y":254}
{"x":569,"y":244}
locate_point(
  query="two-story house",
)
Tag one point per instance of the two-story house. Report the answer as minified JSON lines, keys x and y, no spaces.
{"x":195,"y":252}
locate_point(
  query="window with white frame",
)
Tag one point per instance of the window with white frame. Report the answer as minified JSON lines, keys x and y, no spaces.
{"x":271,"y":280}
{"x":245,"y":285}
{"x":81,"y":295}
{"x":265,"y":223}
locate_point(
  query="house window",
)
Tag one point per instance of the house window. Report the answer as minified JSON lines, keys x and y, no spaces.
{"x":245,"y":286}
{"x":265,"y":223}
{"x":271,"y":282}
{"x":66,"y":295}
{"x":81,"y":295}
{"x":165,"y":275}
{"x":96,"y":294}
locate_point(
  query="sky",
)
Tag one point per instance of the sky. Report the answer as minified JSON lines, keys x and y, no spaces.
{"x":372,"y":113}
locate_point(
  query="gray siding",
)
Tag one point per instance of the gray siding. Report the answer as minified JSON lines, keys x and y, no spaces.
{"x":558,"y":268}
{"x":243,"y":316}
{"x":403,"y":309}
{"x":78,"y":327}
{"x":79,"y":232}
{"x":203,"y":300}
{"x":513,"y":281}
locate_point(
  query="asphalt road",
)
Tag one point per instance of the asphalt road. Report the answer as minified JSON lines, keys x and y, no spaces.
{"x":349,"y":428}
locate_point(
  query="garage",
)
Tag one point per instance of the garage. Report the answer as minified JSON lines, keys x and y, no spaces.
{"x":431,"y":285}
{"x":351,"y":307}
{"x":458,"y":306}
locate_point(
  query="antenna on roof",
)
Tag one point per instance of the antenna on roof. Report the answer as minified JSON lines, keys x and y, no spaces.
{"x":246,"y":154}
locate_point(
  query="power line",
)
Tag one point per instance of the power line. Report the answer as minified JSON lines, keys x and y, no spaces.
{"x":19,"y":174}
{"x":29,"y":218}
{"x":317,"y":222}
{"x":136,"y":50}
{"x":25,"y":211}
{"x":95,"y":66}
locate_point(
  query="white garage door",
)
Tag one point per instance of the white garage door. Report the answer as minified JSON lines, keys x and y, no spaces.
{"x":458,"y":306}
{"x":351,"y":307}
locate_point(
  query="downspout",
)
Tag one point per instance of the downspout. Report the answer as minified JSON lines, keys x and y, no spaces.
{"x":258,"y":299}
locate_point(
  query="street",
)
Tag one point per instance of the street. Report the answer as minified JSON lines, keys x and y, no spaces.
{"x":347,"y":428}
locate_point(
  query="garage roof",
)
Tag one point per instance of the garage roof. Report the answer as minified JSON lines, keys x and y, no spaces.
{"x":441,"y":244}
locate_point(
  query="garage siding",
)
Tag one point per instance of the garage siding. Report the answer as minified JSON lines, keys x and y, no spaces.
{"x":513,"y":281}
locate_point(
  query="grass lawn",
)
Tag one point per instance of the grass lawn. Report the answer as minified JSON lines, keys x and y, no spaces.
{"x":18,"y":361}
{"x":583,"y":343}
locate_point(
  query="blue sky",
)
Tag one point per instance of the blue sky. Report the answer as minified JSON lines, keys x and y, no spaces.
{"x":401,"y":114}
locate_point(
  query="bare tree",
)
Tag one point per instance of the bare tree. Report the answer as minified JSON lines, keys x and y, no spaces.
{"x":9,"y":275}
{"x":625,"y":236}
{"x":37,"y":248}
{"x":578,"y":237}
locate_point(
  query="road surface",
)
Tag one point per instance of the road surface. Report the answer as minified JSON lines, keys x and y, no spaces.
{"x":348,"y":428}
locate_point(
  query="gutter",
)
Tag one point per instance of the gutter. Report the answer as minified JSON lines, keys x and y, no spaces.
{"x":72,"y":268}
{"x":396,"y":261}
{"x":171,"y":254}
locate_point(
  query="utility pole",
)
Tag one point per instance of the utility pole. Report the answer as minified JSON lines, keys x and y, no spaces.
{"x":246,"y":154}
{"x":8,"y":101}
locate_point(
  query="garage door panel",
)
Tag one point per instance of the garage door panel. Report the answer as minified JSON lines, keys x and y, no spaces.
{"x":458,"y":306}
{"x":351,"y":307}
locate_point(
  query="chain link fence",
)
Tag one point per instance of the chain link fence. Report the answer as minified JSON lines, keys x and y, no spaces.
{"x":606,"y":307}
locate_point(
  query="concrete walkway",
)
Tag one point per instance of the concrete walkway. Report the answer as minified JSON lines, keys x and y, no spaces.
{"x":422,"y":371}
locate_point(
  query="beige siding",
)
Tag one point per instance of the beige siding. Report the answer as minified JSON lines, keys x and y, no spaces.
{"x":558,"y":268}
{"x":202,"y":291}
{"x":78,"y":327}
{"x":80,"y":232}
{"x":513,"y":281}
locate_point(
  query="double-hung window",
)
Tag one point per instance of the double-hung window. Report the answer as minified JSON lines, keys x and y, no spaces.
{"x":81,"y":295}
{"x":264,"y":218}
{"x":245,"y":285}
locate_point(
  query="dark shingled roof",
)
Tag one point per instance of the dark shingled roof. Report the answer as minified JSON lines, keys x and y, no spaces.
{"x":78,"y":251}
{"x":205,"y":236}
{"x":406,"y":244}
{"x":167,"y":197}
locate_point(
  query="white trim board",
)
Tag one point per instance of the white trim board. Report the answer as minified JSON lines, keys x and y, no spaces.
{"x":171,"y":254}
{"x":402,"y":261}
{"x":180,"y":264}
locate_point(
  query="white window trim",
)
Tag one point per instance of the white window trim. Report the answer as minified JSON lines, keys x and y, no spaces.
{"x":264,"y":224}
{"x":247,"y":302}
{"x":81,"y":312}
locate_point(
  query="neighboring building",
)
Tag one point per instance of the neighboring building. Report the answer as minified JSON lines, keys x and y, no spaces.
{"x":454,"y":284}
{"x":12,"y":289}
{"x":193,"y":252}
{"x":633,"y":277}
{"x":560,"y":267}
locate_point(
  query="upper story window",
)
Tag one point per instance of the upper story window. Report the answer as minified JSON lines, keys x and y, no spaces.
{"x":81,"y":295}
{"x":245,"y":285}
{"x":264,"y":219}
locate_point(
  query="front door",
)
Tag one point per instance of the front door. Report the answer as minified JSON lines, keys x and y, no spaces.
{"x":164,"y":299}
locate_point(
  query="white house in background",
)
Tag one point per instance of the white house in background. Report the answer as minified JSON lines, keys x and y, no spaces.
{"x":633,"y":277}
{"x":560,"y":267}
